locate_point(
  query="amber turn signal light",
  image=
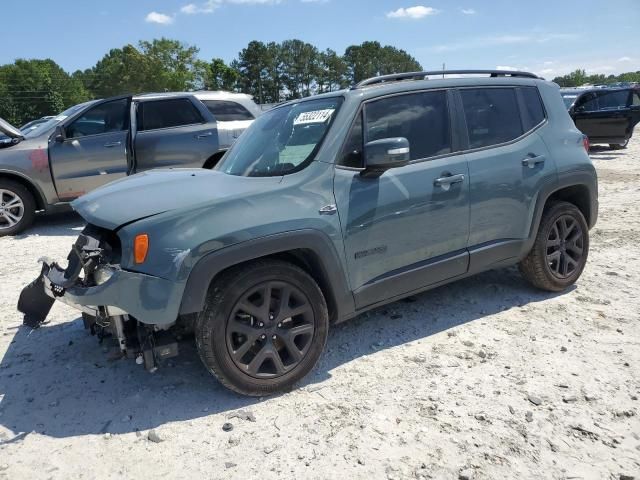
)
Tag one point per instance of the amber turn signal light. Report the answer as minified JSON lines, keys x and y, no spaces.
{"x":140,"y":247}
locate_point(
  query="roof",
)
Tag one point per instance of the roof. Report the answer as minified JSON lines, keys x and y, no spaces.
{"x":205,"y":94}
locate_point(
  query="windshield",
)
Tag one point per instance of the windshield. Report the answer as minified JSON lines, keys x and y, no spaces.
{"x":568,"y":100}
{"x":36,"y":130}
{"x":282,"y":140}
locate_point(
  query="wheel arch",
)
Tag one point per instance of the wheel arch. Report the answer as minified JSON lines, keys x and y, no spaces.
{"x":28,"y":184}
{"x":309,"y":249}
{"x":579,"y":187}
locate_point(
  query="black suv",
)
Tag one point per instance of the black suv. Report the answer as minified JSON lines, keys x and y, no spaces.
{"x":605,"y":115}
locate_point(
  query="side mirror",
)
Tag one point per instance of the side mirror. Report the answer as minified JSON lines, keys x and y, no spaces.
{"x":381,"y":155}
{"x":59,"y":135}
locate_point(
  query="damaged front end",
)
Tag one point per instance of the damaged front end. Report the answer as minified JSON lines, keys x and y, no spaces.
{"x":112,"y":300}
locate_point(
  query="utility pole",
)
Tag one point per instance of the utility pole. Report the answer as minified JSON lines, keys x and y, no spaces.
{"x":443,"y":69}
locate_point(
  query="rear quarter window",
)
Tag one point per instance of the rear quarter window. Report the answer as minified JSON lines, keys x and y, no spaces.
{"x":227,"y":111}
{"x":532,"y":108}
{"x":492,"y":116}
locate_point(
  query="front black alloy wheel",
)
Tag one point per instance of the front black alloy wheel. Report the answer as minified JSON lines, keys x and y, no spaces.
{"x":263,"y":328}
{"x":560,"y":250}
{"x":270,"y":329}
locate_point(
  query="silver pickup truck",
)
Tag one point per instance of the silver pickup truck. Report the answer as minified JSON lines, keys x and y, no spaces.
{"x":99,"y":141}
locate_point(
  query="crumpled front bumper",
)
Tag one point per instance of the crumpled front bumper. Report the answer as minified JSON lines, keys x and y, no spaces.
{"x":148,"y":299}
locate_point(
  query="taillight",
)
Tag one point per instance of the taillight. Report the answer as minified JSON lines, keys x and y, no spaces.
{"x":585,"y":143}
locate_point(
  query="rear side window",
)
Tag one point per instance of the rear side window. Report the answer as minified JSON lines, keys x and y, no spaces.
{"x":636,"y":99}
{"x":533,"y":110}
{"x":226,"y":111}
{"x":492,"y":116}
{"x":422,"y":118}
{"x":174,"y":112}
{"x":613,"y":100}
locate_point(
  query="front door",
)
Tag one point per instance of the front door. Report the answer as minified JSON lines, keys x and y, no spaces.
{"x":407,"y":228}
{"x":93,"y":149}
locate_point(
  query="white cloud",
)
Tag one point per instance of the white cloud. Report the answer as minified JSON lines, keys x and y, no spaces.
{"x":468,"y":11}
{"x":624,"y":59}
{"x":161,"y":18}
{"x":211,"y":5}
{"x":417,"y":12}
{"x":497,"y":40}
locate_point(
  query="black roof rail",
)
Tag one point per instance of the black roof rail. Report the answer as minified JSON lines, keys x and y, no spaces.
{"x":397,"y":77}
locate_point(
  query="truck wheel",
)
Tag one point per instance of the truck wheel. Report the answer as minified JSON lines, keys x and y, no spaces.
{"x":619,"y":146}
{"x":560,"y":250}
{"x":263,"y":328}
{"x":17,"y":207}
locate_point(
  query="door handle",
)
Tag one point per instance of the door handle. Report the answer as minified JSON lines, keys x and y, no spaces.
{"x":449,"y":180}
{"x":204,"y":135}
{"x":112,"y":144}
{"x":531,"y":162}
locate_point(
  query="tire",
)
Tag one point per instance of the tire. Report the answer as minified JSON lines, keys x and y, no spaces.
{"x":250,"y":348}
{"x":619,"y":146}
{"x":14,"y":219}
{"x":559,"y":253}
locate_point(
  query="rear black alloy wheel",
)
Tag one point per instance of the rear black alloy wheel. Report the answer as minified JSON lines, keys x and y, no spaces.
{"x":270,"y":329}
{"x":263,"y":328}
{"x":565,"y":246}
{"x":560,"y":250}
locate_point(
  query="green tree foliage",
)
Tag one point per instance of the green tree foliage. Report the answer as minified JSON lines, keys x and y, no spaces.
{"x":122,"y":70}
{"x":370,"y":59}
{"x":31,"y":89}
{"x":217,"y":75}
{"x":579,"y":77}
{"x":271,"y":72}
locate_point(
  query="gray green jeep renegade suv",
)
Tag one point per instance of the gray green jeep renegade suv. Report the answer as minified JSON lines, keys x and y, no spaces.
{"x":327,"y":207}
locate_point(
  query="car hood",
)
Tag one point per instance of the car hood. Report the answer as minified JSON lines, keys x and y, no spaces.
{"x":162,"y":190}
{"x":9,"y":130}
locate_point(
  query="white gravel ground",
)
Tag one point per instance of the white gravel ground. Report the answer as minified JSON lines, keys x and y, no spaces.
{"x":485,"y":378}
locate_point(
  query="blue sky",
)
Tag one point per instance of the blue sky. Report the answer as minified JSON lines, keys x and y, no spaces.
{"x":549,"y":37}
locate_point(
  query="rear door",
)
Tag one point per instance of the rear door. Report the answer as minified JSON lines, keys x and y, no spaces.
{"x":173,"y":131}
{"x":508,"y":163}
{"x":604,"y":116}
{"x":93,"y":149}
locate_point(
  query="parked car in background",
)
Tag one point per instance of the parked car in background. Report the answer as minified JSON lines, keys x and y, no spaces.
{"x":97,"y":142}
{"x":327,"y":207}
{"x":605,"y":115}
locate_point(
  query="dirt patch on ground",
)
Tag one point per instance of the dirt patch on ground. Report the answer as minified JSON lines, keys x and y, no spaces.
{"x":485,"y":379}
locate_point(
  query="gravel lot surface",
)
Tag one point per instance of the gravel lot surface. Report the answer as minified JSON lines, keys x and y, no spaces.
{"x":482,"y":379}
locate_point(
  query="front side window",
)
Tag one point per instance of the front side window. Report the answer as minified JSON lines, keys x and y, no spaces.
{"x":227,"y":111}
{"x":422,"y":118}
{"x":587,"y":103}
{"x":352,"y":150}
{"x":492,"y":116}
{"x":636,"y":99}
{"x":174,"y":112}
{"x":104,"y":118}
{"x":282,"y":140}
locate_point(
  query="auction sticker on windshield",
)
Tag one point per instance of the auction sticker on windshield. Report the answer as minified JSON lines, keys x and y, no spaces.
{"x":314,"y":116}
